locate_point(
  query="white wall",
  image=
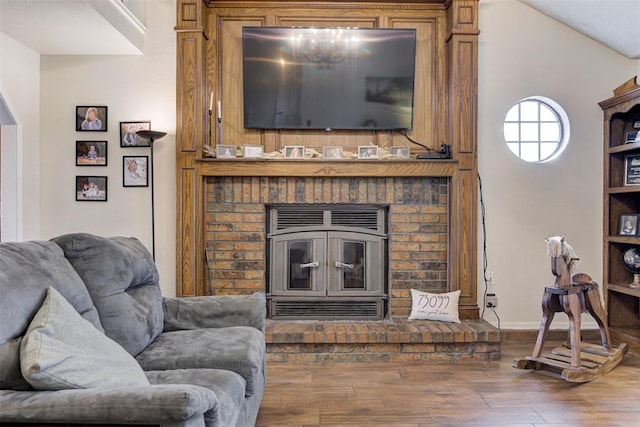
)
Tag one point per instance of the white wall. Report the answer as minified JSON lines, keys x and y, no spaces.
{"x":135,"y":88}
{"x":20,"y":89}
{"x":524,"y":53}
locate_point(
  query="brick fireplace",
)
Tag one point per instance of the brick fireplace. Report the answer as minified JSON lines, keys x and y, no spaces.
{"x":432,"y":204}
{"x":235,"y":229}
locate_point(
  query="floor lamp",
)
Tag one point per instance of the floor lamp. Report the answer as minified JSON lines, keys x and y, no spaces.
{"x":151,"y":136}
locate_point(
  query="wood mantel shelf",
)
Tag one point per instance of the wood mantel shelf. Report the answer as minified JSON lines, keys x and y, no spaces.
{"x":337,"y":168}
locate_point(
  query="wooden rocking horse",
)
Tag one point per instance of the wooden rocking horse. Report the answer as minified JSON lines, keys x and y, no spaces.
{"x":573,"y":294}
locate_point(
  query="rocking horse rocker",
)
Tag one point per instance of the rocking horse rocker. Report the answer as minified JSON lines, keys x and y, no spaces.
{"x":574,"y":294}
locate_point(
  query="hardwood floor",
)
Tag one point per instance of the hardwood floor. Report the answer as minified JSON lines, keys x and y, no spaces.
{"x":433,"y":394}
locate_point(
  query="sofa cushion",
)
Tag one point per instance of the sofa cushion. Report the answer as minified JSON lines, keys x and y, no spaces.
{"x":228,"y":386}
{"x":122,"y":280}
{"x":240,"y":349}
{"x":62,"y":351}
{"x":27,"y":269}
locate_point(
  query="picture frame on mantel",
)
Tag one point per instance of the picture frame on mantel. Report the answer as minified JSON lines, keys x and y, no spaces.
{"x":334,"y":152}
{"x":294,"y":152}
{"x":368,"y":152}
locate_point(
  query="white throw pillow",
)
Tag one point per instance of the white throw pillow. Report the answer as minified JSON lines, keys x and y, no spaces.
{"x":61,"y":350}
{"x":428,"y":306}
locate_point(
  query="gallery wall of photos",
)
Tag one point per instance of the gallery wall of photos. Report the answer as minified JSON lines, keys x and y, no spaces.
{"x":93,"y":152}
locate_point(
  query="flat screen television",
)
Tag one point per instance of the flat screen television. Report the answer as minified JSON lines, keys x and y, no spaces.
{"x":328,"y":78}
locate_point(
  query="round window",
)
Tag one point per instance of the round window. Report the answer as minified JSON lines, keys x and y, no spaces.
{"x":536,"y":129}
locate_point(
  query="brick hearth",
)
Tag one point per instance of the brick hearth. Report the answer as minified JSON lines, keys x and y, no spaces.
{"x":397,"y":340}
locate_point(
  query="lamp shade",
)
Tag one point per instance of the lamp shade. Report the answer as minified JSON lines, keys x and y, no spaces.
{"x":150,"y":135}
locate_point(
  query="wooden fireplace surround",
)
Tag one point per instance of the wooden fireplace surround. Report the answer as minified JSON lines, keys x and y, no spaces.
{"x":209,"y":59}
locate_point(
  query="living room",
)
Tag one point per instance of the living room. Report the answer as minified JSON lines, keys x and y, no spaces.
{"x":521,"y":53}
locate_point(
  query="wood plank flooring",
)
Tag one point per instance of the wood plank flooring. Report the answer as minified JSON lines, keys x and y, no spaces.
{"x":443,"y":394}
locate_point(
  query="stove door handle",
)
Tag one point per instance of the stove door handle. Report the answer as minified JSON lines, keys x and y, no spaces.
{"x":310,"y":264}
{"x":339,"y":264}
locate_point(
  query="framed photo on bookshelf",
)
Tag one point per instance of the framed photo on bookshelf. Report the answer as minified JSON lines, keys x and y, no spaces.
{"x":633,"y":136}
{"x":632,"y":169}
{"x":628,"y":225}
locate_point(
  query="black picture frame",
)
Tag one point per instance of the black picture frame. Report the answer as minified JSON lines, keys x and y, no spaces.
{"x":91,"y":153}
{"x":135,"y":171}
{"x":88,"y":122}
{"x":91,"y":188}
{"x":632,"y":169}
{"x":628,"y":225}
{"x":128,"y":137}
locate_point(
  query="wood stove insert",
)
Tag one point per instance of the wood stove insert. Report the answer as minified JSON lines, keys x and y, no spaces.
{"x":327,"y":262}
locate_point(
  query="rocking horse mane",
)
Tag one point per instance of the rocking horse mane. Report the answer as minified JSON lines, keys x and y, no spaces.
{"x":557,"y":246}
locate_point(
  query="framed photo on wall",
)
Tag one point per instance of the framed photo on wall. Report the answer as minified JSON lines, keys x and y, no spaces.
{"x":91,"y":118}
{"x":628,"y":225}
{"x":128,"y":137}
{"x":91,"y":153}
{"x":134,"y":171}
{"x":91,"y":188}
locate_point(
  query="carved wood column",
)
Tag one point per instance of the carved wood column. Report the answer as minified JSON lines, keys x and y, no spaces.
{"x":191,"y":130}
{"x":462,"y":53}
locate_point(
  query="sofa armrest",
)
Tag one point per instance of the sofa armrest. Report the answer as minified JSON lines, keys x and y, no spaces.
{"x":155,"y":404}
{"x":215,"y":312}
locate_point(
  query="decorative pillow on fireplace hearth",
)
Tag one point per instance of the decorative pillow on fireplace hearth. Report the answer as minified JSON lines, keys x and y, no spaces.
{"x":428,"y":306}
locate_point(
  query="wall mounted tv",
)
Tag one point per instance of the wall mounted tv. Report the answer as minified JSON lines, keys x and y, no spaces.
{"x":328,"y":78}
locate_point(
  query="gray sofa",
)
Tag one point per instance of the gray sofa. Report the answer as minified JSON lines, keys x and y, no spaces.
{"x":202,"y":359}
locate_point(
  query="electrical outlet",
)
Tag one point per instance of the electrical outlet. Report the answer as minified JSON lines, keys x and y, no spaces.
{"x":492,"y":301}
{"x":491,"y":278}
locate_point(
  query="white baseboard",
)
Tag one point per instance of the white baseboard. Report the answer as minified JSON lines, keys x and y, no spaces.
{"x":563,"y":324}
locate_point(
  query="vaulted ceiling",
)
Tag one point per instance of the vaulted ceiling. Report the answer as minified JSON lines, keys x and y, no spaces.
{"x":102,"y":27}
{"x":614,"y":23}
